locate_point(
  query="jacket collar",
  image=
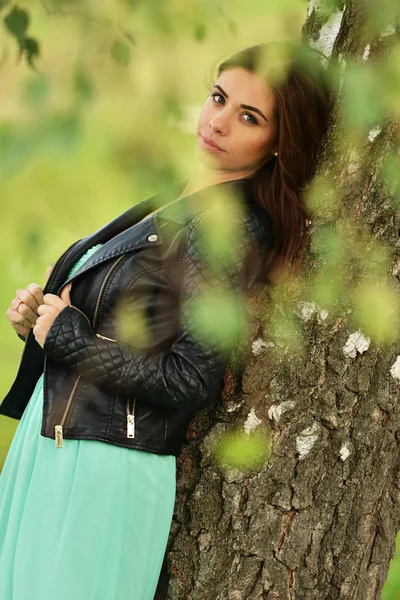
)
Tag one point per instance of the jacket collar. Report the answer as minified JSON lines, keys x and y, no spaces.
{"x":125,"y":234}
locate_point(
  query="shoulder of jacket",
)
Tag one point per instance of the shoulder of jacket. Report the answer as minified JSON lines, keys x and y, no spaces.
{"x":252,"y":222}
{"x":249,"y":221}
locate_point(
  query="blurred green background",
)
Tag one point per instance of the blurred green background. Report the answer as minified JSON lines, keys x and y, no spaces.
{"x":105,"y":117}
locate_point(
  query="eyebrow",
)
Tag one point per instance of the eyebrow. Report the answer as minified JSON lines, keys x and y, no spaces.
{"x":257,"y":110}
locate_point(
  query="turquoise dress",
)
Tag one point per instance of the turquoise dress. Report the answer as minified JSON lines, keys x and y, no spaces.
{"x":89,"y":521}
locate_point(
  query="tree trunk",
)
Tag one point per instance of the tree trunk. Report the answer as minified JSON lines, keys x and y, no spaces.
{"x":319,"y":520}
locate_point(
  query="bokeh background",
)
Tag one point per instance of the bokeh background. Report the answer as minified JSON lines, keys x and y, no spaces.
{"x":97,"y":112}
{"x":104,"y":118}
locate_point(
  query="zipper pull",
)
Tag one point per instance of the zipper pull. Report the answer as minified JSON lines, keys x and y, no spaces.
{"x":130,"y":426}
{"x":59,"y":436}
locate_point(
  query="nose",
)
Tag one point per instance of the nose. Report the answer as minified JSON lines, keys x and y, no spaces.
{"x":220,"y":122}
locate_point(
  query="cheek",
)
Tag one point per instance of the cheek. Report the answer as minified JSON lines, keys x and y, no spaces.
{"x":254,"y":145}
{"x":205,"y":113}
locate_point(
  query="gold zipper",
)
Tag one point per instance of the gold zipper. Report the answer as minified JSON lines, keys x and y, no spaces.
{"x":103,"y":337}
{"x":102,"y":287}
{"x":130,"y":419}
{"x":130,"y":416}
{"x":58,"y":429}
{"x":82,"y":313}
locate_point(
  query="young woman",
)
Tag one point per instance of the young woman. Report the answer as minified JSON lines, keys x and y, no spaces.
{"x":87,"y":490}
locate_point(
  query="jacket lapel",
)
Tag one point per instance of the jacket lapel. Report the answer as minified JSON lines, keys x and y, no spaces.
{"x":126,"y":234}
{"x":146,"y":233}
{"x":115,"y":228}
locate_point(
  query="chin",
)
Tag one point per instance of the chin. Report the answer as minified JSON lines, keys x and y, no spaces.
{"x":209,"y":162}
{"x":206,"y":158}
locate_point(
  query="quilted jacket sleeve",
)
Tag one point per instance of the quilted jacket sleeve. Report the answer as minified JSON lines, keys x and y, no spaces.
{"x":189,"y":372}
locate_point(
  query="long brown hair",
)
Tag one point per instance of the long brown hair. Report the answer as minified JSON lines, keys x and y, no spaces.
{"x":304,"y":98}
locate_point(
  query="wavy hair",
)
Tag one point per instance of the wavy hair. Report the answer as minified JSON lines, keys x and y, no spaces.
{"x":304,"y":97}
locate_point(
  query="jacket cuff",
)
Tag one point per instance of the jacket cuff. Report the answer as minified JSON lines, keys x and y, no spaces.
{"x":67,"y":328}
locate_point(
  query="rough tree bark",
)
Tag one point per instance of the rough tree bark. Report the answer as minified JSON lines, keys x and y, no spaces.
{"x":319,"y":520}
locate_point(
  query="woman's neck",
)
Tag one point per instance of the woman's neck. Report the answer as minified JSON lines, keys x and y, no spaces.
{"x":206,"y":177}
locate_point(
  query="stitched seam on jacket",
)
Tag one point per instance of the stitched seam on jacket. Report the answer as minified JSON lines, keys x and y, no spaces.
{"x":148,"y":270}
{"x":192,"y":227}
{"x":136,"y":277}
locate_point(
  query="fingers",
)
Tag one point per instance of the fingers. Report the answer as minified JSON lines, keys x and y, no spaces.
{"x":45,"y":309}
{"x":48,"y":271}
{"x":27,"y":308}
{"x":16,"y":318}
{"x":22,"y":330}
{"x":37,"y":293}
{"x":23,"y":312}
{"x":32,"y":296}
{"x":24,"y":307}
{"x":27,"y":316}
{"x":52,"y":301}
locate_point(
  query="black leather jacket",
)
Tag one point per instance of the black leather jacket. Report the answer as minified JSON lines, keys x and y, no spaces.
{"x":102,"y":381}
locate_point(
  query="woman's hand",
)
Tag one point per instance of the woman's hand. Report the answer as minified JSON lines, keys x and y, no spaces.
{"x":48,"y":311}
{"x":48,"y":272}
{"x":23,"y":311}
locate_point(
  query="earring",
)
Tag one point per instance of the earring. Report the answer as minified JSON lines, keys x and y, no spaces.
{"x":275,"y":154}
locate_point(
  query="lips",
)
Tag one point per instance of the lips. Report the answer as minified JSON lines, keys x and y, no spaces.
{"x":210,"y":143}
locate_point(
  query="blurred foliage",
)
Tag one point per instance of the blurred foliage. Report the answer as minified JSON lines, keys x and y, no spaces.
{"x":391,"y":589}
{"x":240,"y":450}
{"x":102,"y":117}
{"x":17,"y":22}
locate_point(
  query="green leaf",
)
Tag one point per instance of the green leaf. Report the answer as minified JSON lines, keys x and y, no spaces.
{"x":36,"y":91}
{"x":363,"y":96}
{"x":200,"y":31}
{"x":60,"y":132}
{"x":17,"y":22}
{"x":30,"y":47}
{"x":83,"y":85}
{"x":217,"y":317}
{"x":389,"y":175}
{"x":242,"y":451}
{"x":16,"y":150}
{"x":379,"y":15}
{"x":121,"y":52}
{"x":233,"y":29}
{"x":376,"y":309}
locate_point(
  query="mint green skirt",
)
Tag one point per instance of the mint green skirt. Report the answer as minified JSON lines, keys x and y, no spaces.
{"x":89,"y":521}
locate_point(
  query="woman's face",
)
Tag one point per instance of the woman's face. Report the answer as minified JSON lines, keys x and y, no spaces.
{"x":247,"y":136}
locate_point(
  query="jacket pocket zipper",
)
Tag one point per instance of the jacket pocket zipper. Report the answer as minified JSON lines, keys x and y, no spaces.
{"x":130,"y":416}
{"x":103,"y":285}
{"x":103,"y":337}
{"x":130,"y":419}
{"x":58,"y":429}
